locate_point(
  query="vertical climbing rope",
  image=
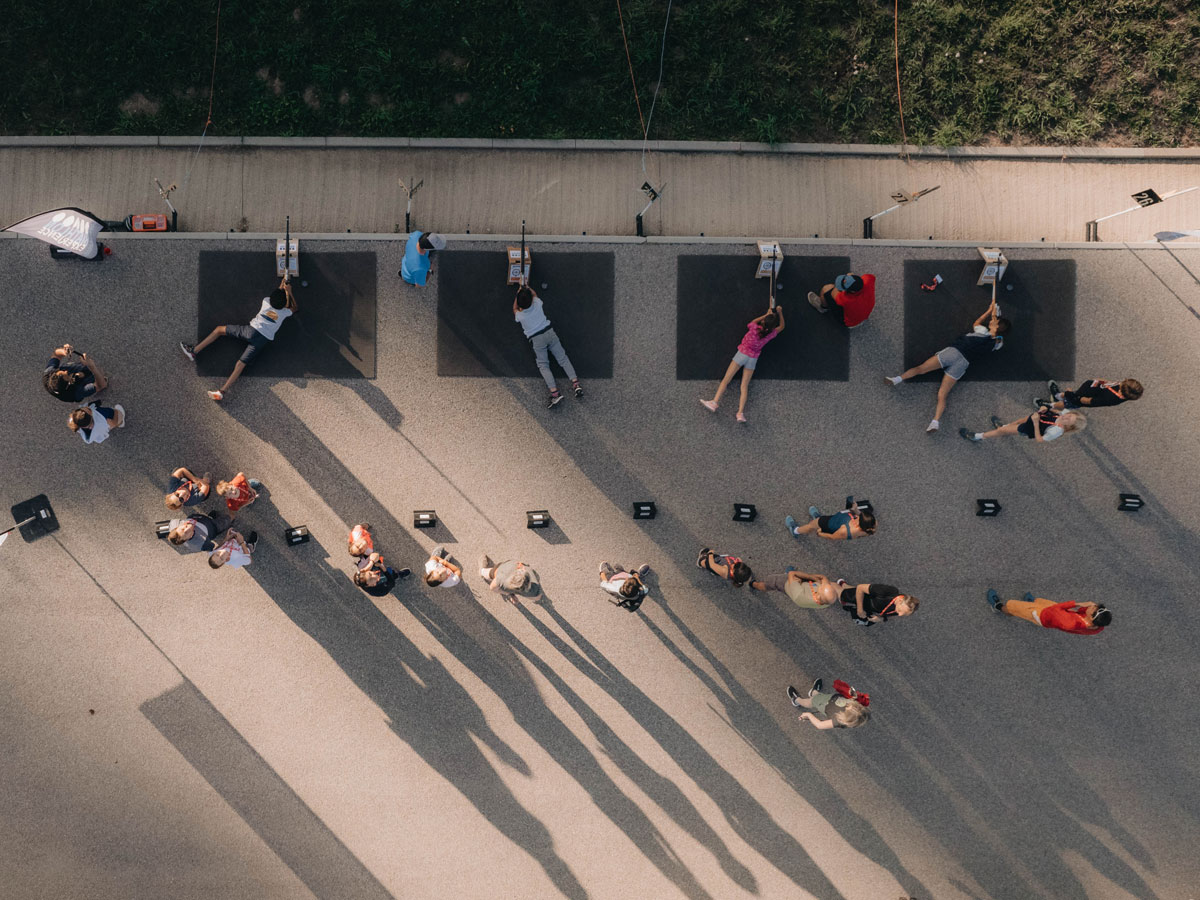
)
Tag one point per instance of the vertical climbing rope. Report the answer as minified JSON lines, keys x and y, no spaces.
{"x":899,"y":101}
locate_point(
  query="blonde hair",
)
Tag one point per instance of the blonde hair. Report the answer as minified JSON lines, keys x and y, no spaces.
{"x":851,"y":715}
{"x":173,"y":501}
{"x":912,"y":603}
{"x":1078,"y":423}
{"x":222,"y":486}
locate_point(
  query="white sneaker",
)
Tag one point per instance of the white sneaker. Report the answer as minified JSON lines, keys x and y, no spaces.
{"x":709,"y":405}
{"x":934,"y":425}
{"x":120,"y":409}
{"x":893,"y":379}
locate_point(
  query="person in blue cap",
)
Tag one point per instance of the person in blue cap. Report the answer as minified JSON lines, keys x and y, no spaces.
{"x":417,"y":259}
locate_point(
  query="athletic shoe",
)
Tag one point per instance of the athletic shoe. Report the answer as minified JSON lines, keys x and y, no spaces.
{"x":255,"y":484}
{"x":933,"y":425}
{"x":643,"y":570}
{"x":892,"y":379}
{"x":787,"y":570}
{"x":994,"y":600}
{"x":816,"y":687}
{"x":794,"y":696}
{"x":841,"y":582}
{"x":189,"y":350}
{"x":702,"y":558}
{"x":814,"y":512}
{"x":1029,"y":598}
{"x":120,"y":409}
{"x":816,"y":303}
{"x":555,"y":399}
{"x":578,"y":390}
{"x":791,"y":525}
{"x":485,"y":562}
{"x":709,"y":405}
{"x":1041,"y":401}
{"x":741,"y":418}
{"x":1053,"y":387}
{"x":969,"y":435}
{"x":216,"y":395}
{"x":996,"y":423}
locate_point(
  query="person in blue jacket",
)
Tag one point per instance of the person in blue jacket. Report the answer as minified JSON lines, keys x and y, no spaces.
{"x":417,"y":260}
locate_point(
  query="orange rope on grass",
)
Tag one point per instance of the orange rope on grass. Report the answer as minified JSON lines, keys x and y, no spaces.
{"x":899,"y":101}
{"x":628,"y":59}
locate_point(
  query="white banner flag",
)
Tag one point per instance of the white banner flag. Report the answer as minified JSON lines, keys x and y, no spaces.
{"x":72,"y":229}
{"x":4,"y":537}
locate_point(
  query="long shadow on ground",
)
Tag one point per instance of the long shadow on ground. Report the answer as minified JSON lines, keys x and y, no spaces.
{"x":427,"y":708}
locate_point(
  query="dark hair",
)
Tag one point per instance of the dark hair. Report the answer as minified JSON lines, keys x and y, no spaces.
{"x":423,"y":241}
{"x":524,"y":296}
{"x":63,"y":380}
{"x":434,"y":578}
{"x":866,"y":521}
{"x":1102,"y":617}
{"x":1131,"y":389}
{"x":630,"y":587}
{"x":213,"y":561}
{"x":740,"y":573}
{"x":855,"y":285}
{"x":360,"y":577}
{"x":279,"y":298}
{"x":82,"y":417}
{"x":1002,"y":325}
{"x":768,"y":324}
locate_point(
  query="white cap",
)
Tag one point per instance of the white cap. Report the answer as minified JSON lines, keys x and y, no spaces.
{"x":439,"y":242}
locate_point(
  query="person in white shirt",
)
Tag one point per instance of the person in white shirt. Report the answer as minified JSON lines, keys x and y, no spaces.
{"x":93,"y":422}
{"x":260,"y":332}
{"x":527,"y":310}
{"x":1044,"y":425}
{"x":235,"y":551}
{"x":439,"y":571}
{"x":625,"y":586}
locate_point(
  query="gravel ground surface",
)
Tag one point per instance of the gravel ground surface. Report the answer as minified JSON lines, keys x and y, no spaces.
{"x":169,"y":730}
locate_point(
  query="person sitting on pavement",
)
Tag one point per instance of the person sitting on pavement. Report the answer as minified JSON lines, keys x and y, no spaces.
{"x":851,"y":298}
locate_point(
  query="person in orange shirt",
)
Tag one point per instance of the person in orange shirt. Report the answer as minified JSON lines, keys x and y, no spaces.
{"x":1069,"y":616}
{"x":239,"y":491}
{"x":851,"y":298}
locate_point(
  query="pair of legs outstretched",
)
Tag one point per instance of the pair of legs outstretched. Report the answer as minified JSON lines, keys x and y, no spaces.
{"x":948,"y":382}
{"x":747,"y":374}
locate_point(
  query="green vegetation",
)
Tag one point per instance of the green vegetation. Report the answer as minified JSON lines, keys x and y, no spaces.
{"x":977,"y":71}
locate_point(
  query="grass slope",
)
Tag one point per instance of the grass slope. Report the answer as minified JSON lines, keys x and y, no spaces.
{"x":1027,"y":71}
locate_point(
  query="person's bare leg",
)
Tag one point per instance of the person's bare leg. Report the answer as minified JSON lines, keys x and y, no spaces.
{"x":1010,"y":428}
{"x":729,"y":373}
{"x":212,"y":336}
{"x":747,"y":374}
{"x":929,"y":365}
{"x":809,"y":527}
{"x":238,"y":369}
{"x":944,"y":390}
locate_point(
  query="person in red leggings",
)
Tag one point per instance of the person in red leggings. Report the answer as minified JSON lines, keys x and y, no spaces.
{"x":1069,"y":616}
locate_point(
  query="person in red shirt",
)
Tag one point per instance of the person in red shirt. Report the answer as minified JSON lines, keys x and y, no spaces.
{"x":238,"y":492}
{"x":851,"y":297}
{"x":1069,"y":616}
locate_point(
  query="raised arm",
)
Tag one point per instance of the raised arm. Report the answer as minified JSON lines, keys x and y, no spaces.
{"x":860,"y":594}
{"x":779,"y":309}
{"x":988,"y":314}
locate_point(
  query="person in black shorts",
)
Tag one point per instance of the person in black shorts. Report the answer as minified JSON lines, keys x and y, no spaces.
{"x":72,"y":376}
{"x":954,"y":360}
{"x":1094,"y":392}
{"x":260,"y":332}
{"x":869,"y":604}
{"x":1044,"y":425}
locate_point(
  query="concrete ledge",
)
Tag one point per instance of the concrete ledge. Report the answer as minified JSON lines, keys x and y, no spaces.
{"x":1062,"y":154}
{"x":368,"y":143}
{"x":261,"y":237}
